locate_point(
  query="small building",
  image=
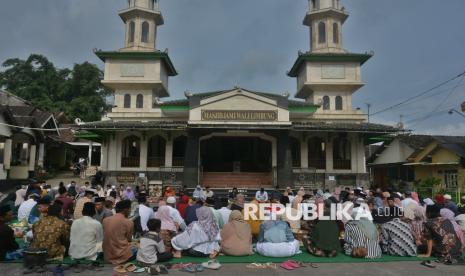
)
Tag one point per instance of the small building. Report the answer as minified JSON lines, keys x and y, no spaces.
{"x":236,"y":137}
{"x":412,"y":159}
{"x":25,"y":131}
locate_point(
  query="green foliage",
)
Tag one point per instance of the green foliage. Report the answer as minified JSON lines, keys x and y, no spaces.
{"x":78,"y":91}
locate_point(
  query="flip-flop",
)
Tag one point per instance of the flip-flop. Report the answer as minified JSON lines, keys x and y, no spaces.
{"x":189,"y":268}
{"x":271,"y":265}
{"x":130,"y":267}
{"x":212,"y":264}
{"x":288,"y":266}
{"x":140,"y":270}
{"x":120,"y":269}
{"x":199,"y":268}
{"x":428,"y":264}
{"x":255,"y":266}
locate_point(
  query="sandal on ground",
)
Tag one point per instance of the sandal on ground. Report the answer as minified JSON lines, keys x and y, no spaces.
{"x":120,"y":269}
{"x":140,"y":270}
{"x":212,"y":264}
{"x":428,"y":264}
{"x":255,"y":265}
{"x":271,"y":265}
{"x":288,"y":265}
{"x":189,"y":268}
{"x":130,"y":267}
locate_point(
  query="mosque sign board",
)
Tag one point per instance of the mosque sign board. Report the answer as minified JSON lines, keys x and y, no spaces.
{"x":239,"y":115}
{"x":126,"y":178}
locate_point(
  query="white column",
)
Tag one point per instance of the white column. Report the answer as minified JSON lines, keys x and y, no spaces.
{"x":169,"y":153}
{"x":304,"y":153}
{"x":40,"y":160}
{"x":143,"y":153}
{"x":32,"y":158}
{"x":354,"y":154}
{"x":103,"y":155}
{"x":89,"y":155}
{"x":361,"y":156}
{"x":7,"y":154}
{"x":329,"y":154}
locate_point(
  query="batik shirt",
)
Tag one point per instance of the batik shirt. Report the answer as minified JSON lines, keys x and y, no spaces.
{"x":446,"y":243}
{"x":52,"y":234}
{"x":397,"y":239}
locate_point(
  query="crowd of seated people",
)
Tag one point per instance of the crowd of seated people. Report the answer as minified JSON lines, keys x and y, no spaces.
{"x":124,"y":224}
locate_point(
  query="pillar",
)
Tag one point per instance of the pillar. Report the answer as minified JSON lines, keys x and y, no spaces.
{"x":32,"y":158}
{"x":7,"y":154}
{"x":169,"y":153}
{"x":191,"y":160}
{"x":303,"y":152}
{"x":329,"y":154}
{"x":284,"y":160}
{"x":40,"y":160}
{"x":143,"y":152}
{"x":89,"y":155}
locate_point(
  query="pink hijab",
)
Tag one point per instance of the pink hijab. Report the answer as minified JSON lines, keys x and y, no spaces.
{"x":167,"y":222}
{"x":449,"y":215}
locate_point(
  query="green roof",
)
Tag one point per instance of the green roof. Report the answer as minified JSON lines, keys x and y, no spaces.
{"x":154,"y":55}
{"x":327,"y":57}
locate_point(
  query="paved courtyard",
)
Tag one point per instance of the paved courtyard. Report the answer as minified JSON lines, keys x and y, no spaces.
{"x":379,"y":269}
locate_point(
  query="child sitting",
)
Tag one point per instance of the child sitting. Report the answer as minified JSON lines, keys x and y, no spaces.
{"x":152,"y":248}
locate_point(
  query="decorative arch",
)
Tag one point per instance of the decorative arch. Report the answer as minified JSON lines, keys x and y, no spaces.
{"x":130,"y":152}
{"x":140,"y":101}
{"x":132,"y":31}
{"x":326,"y":103}
{"x":322,"y":32}
{"x":316,"y":153}
{"x":341,"y":153}
{"x":179,"y":150}
{"x":145,"y":32}
{"x":295,"y":151}
{"x":339,"y":105}
{"x":335,"y":33}
{"x":127,"y":100}
{"x":156,"y":151}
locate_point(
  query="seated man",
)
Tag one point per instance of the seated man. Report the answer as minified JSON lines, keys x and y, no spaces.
{"x":86,"y":235}
{"x":101,"y":212}
{"x":152,"y":247}
{"x":276,"y":240}
{"x":51,"y":233}
{"x":117,"y":235}
{"x":397,"y":238}
{"x":26,"y":207}
{"x":8,"y":244}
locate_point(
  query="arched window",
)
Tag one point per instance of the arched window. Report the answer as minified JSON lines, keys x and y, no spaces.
{"x":295,"y":152}
{"x":132,"y":31}
{"x":321,"y":32}
{"x":341,"y":154}
{"x":140,"y":101}
{"x":127,"y":101}
{"x":156,"y":151}
{"x":179,"y":150}
{"x":326,"y":103}
{"x":315,"y":4}
{"x":130,"y":152}
{"x":145,"y":32}
{"x":335,"y":33}
{"x":338,"y":103}
{"x":317,"y":153}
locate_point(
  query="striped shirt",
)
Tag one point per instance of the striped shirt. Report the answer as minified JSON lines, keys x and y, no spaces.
{"x":354,"y":237}
{"x":397,"y":239}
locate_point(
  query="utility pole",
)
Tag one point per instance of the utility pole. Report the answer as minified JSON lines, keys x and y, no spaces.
{"x":368,"y":107}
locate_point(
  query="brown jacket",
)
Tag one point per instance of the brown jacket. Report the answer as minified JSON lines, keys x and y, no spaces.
{"x":117,"y":236}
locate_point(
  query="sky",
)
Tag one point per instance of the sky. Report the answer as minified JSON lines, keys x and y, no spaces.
{"x":217,"y":44}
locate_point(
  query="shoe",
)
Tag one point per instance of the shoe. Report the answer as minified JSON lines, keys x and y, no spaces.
{"x":212,"y":264}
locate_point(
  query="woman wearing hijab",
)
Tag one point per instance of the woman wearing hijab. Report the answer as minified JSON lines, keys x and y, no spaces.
{"x":276,"y":240}
{"x":324,"y":238}
{"x":449,"y":215}
{"x":168,"y":227}
{"x":236,"y":236}
{"x":415,"y":217}
{"x":201,"y":238}
{"x":129,"y":194}
{"x":361,"y":238}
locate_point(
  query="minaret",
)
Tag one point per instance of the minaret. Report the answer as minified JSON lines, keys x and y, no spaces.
{"x":138,"y":73}
{"x":142,"y":18}
{"x":328,"y":75}
{"x":325,"y":19}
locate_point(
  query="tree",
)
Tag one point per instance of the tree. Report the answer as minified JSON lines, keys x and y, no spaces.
{"x":78,"y":91}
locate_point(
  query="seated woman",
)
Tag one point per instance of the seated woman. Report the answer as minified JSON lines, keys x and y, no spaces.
{"x":51,"y":233}
{"x":442,"y":238}
{"x":168,"y":227}
{"x":361,"y":238}
{"x":276,"y":240}
{"x":201,"y":238}
{"x":236,"y":236}
{"x":254,"y":223}
{"x":324,"y":238}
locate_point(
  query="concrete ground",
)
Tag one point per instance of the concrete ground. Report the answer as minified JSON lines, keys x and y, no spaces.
{"x":378,"y":269}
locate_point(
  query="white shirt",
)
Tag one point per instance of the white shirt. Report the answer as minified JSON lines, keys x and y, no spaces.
{"x":405,"y":202}
{"x":20,"y":194}
{"x":261,"y":197}
{"x":225,"y":213}
{"x":461,"y":221}
{"x":25,"y":209}
{"x":145,"y":214}
{"x":86,"y":238}
{"x":176,"y":216}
